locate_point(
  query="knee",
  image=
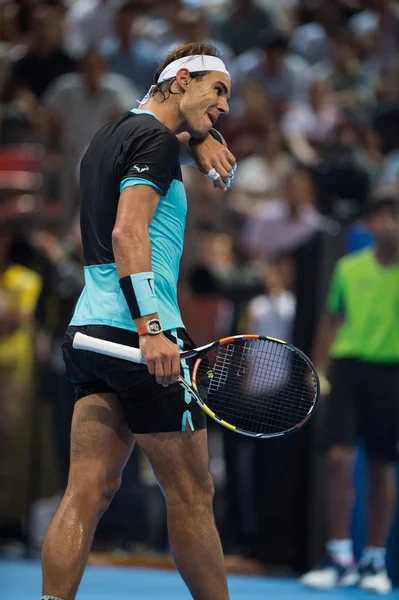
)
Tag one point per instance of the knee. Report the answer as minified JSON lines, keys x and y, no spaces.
{"x":192,"y":493}
{"x":96,"y":490}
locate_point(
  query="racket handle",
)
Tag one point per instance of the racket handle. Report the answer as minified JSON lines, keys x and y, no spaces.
{"x":86,"y":342}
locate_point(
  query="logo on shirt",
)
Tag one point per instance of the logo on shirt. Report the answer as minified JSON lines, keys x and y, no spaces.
{"x":141,"y":169}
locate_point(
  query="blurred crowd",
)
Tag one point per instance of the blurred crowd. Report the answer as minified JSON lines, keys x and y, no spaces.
{"x":314,"y":125}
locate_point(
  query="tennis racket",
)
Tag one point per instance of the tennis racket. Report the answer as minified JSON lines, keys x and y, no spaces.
{"x":255,"y":385}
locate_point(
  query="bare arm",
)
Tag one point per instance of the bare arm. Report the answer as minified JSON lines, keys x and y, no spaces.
{"x":209,"y":153}
{"x":132,"y":250}
{"x":325,"y":336}
{"x":130,"y":238}
{"x":301,"y":148}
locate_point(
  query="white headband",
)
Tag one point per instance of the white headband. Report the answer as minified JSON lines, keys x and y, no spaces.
{"x":193,"y":64}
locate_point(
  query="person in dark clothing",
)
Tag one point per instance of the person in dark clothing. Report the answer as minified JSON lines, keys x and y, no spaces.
{"x":45,"y":59}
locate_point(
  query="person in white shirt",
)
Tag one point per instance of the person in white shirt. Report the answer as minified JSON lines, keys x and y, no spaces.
{"x":273,"y":314}
{"x":308,"y":126}
{"x":262,"y":176}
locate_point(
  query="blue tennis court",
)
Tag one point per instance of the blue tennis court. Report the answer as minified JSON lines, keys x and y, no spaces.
{"x":20,"y":580}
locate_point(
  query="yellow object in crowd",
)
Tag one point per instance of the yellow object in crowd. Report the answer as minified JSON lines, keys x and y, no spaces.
{"x":19,"y":291}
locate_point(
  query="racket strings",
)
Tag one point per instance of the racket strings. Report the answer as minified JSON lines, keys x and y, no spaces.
{"x":257,"y":385}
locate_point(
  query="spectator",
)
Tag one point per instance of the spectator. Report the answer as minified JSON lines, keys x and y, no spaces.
{"x":25,"y":9}
{"x":10,"y":39}
{"x":253,"y":113}
{"x":381,"y":21}
{"x":221,"y":270}
{"x":77,"y":106}
{"x":63,"y":280}
{"x":262,"y":176}
{"x":273,"y":314}
{"x":18,"y":112}
{"x":129,"y":54}
{"x":222,"y":267}
{"x":385,"y":119}
{"x":353,"y":87}
{"x":159,"y":28}
{"x":19,"y":292}
{"x":371,"y":153}
{"x":240,"y":25}
{"x":389,"y":178}
{"x":81,"y":103}
{"x":360,"y":331}
{"x":284,"y":77}
{"x":311,"y":39}
{"x":88,"y":23}
{"x":308,"y":126}
{"x":270,"y":313}
{"x":19,"y":118}
{"x":344,"y":175}
{"x":192,"y":25}
{"x":367,"y":44}
{"x":283,"y":224}
{"x":285,"y":13}
{"x":45,"y":59}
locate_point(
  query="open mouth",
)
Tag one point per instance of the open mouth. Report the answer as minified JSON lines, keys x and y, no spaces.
{"x":211,"y":118}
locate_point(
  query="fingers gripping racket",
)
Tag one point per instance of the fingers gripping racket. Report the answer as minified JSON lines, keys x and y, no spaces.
{"x":255,"y":385}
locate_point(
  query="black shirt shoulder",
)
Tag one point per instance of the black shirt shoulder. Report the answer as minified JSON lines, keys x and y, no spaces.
{"x":132,"y":149}
{"x":139,"y":146}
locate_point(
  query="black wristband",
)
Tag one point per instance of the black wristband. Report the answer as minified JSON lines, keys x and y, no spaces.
{"x":139,"y":293}
{"x":216,"y":135}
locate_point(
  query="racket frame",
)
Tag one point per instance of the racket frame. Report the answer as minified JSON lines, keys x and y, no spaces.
{"x":200,"y":353}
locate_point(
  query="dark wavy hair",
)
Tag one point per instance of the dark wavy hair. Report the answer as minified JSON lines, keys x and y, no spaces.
{"x":164,"y":88}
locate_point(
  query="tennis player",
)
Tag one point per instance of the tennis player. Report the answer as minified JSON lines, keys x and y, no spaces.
{"x":360,"y":332}
{"x":132,"y":220}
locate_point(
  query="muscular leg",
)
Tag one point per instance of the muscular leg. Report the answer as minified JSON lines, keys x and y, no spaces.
{"x":180,"y":464}
{"x":382,"y":500}
{"x":340,"y":460}
{"x":100,"y":447}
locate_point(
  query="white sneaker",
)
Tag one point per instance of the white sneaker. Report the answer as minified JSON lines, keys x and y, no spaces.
{"x":329,"y":574}
{"x":374,"y":579}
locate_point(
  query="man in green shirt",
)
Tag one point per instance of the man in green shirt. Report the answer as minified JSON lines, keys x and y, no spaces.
{"x":360,"y":332}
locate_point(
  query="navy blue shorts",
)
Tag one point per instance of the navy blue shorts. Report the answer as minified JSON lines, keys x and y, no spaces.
{"x":363,"y":405}
{"x":148,"y":406}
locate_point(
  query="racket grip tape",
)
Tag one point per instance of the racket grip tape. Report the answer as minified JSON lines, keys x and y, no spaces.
{"x":86,"y":342}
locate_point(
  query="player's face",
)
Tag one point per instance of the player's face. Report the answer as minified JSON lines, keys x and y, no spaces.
{"x":204,"y":102}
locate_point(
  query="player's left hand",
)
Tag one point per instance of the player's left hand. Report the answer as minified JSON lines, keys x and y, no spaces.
{"x":215,"y":160}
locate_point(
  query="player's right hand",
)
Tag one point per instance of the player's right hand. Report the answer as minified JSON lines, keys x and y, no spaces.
{"x":162,"y":357}
{"x":325,"y":386}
